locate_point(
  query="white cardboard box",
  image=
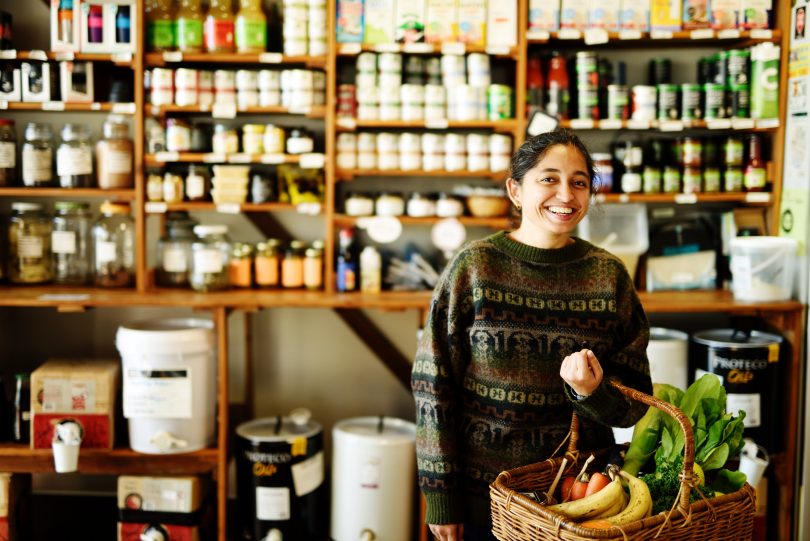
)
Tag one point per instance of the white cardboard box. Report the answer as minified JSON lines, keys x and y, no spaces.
{"x":502,"y":24}
{"x":76,"y":81}
{"x":71,"y":44}
{"x":442,"y":21}
{"x":379,"y":21}
{"x":10,"y":87}
{"x":472,"y":22}
{"x":544,"y":15}
{"x":109,"y":12}
{"x":37,"y":82}
{"x":410,"y":21}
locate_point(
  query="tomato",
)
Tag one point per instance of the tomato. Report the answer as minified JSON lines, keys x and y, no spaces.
{"x":578,"y":490}
{"x":598,"y":482}
{"x":565,"y":488}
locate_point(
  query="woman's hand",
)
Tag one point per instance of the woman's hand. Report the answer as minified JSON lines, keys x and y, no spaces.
{"x":582,"y":372}
{"x":447,"y":532}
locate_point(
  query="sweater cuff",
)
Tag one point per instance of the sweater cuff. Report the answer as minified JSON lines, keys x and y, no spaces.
{"x":600,"y":400}
{"x":443,"y":508}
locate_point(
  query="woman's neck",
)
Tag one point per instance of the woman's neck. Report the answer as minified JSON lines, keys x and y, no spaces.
{"x":544,"y":241}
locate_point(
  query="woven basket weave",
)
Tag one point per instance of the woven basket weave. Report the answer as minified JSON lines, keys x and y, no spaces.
{"x":516,"y":517}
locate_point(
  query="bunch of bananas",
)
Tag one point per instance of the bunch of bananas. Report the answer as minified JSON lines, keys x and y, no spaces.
{"x":610,"y":506}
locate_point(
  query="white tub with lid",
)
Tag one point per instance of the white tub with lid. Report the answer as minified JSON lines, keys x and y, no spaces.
{"x":762,"y":268}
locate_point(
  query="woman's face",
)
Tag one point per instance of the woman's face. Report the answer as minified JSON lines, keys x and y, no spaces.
{"x":553,"y":197}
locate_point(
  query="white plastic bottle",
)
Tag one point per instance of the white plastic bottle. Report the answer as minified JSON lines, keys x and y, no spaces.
{"x":370,"y":270}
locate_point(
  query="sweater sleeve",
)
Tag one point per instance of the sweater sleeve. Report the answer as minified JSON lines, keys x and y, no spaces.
{"x":628,"y":364}
{"x":437,"y":373}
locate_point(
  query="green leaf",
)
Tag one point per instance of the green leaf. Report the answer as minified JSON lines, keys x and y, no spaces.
{"x":715,"y":438}
{"x":716,"y":459}
{"x":667,"y":393}
{"x":728,"y":481}
{"x":646,"y":435}
{"x":707,"y":386}
{"x":713,"y":408}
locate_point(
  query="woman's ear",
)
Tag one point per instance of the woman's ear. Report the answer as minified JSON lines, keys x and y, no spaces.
{"x":513,"y":190}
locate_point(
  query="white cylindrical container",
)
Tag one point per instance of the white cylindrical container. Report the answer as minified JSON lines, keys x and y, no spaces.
{"x":367,"y":160}
{"x":411,"y":161}
{"x":367,"y":142}
{"x":478,"y":72}
{"x":386,"y":161}
{"x":387,"y":142}
{"x":346,"y":160}
{"x":169,"y":384}
{"x":410,"y":143}
{"x":366,"y":79}
{"x":366,"y":62}
{"x":162,"y":86}
{"x":500,"y":144}
{"x":668,"y":352}
{"x":390,"y":63}
{"x":644,"y":98}
{"x":390,"y":79}
{"x":368,"y":112}
{"x":372,"y":479}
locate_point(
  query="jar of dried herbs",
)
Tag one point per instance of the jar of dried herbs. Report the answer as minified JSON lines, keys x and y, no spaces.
{"x":114,"y":246}
{"x":29,"y":243}
{"x":209,"y":258}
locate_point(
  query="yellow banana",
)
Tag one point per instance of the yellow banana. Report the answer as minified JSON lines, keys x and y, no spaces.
{"x":592,"y":505}
{"x":616,"y":508}
{"x":639,"y":505}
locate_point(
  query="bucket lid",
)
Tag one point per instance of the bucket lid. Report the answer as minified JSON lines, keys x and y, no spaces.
{"x":662,"y":333}
{"x":166,"y":336}
{"x":297,"y":424}
{"x":734,"y":338}
{"x":383,"y":430}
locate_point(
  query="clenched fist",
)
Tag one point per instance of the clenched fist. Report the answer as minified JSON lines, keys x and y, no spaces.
{"x":582,"y":372}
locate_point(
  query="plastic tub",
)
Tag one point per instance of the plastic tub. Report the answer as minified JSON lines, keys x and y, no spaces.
{"x":763,"y":268}
{"x":169,"y":384}
{"x":620,"y":229}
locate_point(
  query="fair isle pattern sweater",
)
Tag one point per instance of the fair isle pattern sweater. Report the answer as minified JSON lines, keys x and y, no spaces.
{"x":486,"y":382}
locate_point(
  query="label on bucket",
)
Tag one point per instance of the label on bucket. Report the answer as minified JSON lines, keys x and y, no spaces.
{"x":157,"y":394}
{"x":749,"y":403}
{"x":272,"y":503}
{"x":308,"y":474}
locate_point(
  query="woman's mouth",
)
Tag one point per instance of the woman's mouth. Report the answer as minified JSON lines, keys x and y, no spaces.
{"x":561,"y":211}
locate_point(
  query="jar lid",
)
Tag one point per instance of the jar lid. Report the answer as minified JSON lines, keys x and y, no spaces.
{"x":114,"y":207}
{"x":74,"y":132}
{"x":313,"y":252}
{"x":220,"y":127}
{"x":25,"y":207}
{"x":297,"y":244}
{"x":203,"y":230}
{"x":318,"y":244}
{"x":253,"y":128}
{"x":71,"y":205}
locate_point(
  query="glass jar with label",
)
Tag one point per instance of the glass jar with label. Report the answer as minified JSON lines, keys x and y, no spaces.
{"x":29,"y":244}
{"x":74,"y":157}
{"x":37,"y":155}
{"x":70,"y":243}
{"x":174,"y":251}
{"x":114,"y":246}
{"x":251,"y":27}
{"x":172,"y":188}
{"x":299,"y":142}
{"x":8,"y":152}
{"x":267,"y":263}
{"x":240,"y":265}
{"x":219,"y":27}
{"x":292,"y":267}
{"x":154,"y":186}
{"x":178,"y":135}
{"x":313,"y":266}
{"x":210,"y":252}
{"x":114,"y":155}
{"x":226,"y":140}
{"x":253,"y":138}
{"x":275,"y":139}
{"x":198,"y":181}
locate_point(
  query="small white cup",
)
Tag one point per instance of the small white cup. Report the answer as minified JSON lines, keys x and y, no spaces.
{"x":65,"y":456}
{"x":752,"y":465}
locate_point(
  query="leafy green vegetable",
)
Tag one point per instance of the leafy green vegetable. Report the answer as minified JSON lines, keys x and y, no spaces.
{"x":727,"y":481}
{"x":664,"y":485}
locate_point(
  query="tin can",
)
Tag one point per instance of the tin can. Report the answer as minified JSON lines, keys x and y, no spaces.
{"x":366,"y":142}
{"x":478,"y":69}
{"x":644,"y":102}
{"x":739,"y":67}
{"x":410,"y":143}
{"x":740,"y":100}
{"x":671,"y":179}
{"x":346,"y":142}
{"x":667,"y":102}
{"x":692,"y":180}
{"x":389,"y":63}
{"x":346,"y":101}
{"x":690,"y":102}
{"x":711,"y":179}
{"x":499,"y":102}
{"x":660,"y":71}
{"x":587,"y":69}
{"x":651,"y":179}
{"x":617,"y":102}
{"x":691,"y":152}
{"x":432,"y":143}
{"x":715,"y":100}
{"x":478,"y":143}
{"x":720,"y":68}
{"x":500,"y":144}
{"x":162,"y":81}
{"x":588,"y":103}
{"x":366,"y":62}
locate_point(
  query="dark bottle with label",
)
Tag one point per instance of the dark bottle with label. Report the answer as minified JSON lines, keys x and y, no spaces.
{"x":558,"y":92}
{"x":123,"y":23}
{"x":535,"y":85}
{"x":755,"y":174}
{"x":347,"y":261}
{"x":22,"y":409}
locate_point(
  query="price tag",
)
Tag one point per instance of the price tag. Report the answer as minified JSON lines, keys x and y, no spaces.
{"x":124,"y":108}
{"x":239,"y":158}
{"x":686,"y":198}
{"x":65,"y":297}
{"x":8,"y":54}
{"x":670,"y":125}
{"x":582,"y":123}
{"x":172,"y":56}
{"x":742,"y":123}
{"x":310,"y":209}
{"x":65,"y":56}
{"x":382,"y":229}
{"x":224,"y":110}
{"x":718,"y":124}
{"x":300,"y":110}
{"x":610,"y":124}
{"x":498,"y":50}
{"x":271,"y":58}
{"x":569,"y":33}
{"x":624,"y":198}
{"x":761,"y":33}
{"x":53,"y":106}
{"x":702,"y":33}
{"x":95,"y":106}
{"x":728,"y":33}
{"x":37,"y":54}
{"x":122,"y":58}
{"x":155,"y":207}
{"x":638,"y":124}
{"x":387,"y":48}
{"x":350,"y":48}
{"x":418,"y":48}
{"x":229,"y":208}
{"x":312,"y":160}
{"x":3,"y":104}
{"x":767,"y":123}
{"x":448,"y":235}
{"x":596,"y":36}
{"x":273,"y":159}
{"x":436,"y":124}
{"x":205,"y":107}
{"x":630,"y":34}
{"x":167,"y":157}
{"x":452,"y":47}
{"x":348,"y":123}
{"x":661,"y":34}
{"x":757,"y":197}
{"x":538,"y":35}
{"x":212,"y":157}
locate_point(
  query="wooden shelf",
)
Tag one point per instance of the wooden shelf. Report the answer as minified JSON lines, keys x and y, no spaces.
{"x":509,"y":126}
{"x":675,"y":126}
{"x":749,"y":198}
{"x":265,"y":59}
{"x":353,"y":49}
{"x":55,"y":106}
{"x":156,"y":160}
{"x":157,"y":207}
{"x":350,"y":174}
{"x":69,"y":193}
{"x":21,"y":459}
{"x":316,"y":111}
{"x":697,"y":38}
{"x":119,"y":59}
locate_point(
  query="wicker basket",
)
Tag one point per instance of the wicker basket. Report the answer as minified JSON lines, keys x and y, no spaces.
{"x":516,"y":517}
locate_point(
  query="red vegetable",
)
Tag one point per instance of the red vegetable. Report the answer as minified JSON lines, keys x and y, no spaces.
{"x":598,"y":482}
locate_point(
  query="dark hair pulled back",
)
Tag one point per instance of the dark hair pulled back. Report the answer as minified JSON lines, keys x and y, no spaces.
{"x":534,"y":148}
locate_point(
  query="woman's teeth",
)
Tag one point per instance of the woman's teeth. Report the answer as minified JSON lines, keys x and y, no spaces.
{"x":561,"y":210}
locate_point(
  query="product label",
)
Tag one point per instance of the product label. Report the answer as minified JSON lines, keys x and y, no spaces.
{"x":152,"y":393}
{"x":741,"y":272}
{"x":29,"y":247}
{"x":36,"y":165}
{"x":118,"y":161}
{"x":208,"y":260}
{"x":174,"y":260}
{"x":308,"y":475}
{"x":189,"y":34}
{"x":63,"y":242}
{"x":65,"y":395}
{"x":74,"y":161}
{"x":750,"y":403}
{"x":160,"y":34}
{"x":8,"y":155}
{"x":347,"y":276}
{"x":272,"y":503}
{"x":195,"y":186}
{"x":251,"y":34}
{"x":754,"y":178}
{"x":218,"y":34}
{"x":105,"y":252}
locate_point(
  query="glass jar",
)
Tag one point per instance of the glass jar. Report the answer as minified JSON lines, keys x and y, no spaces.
{"x":292,"y":267}
{"x":275,"y":139}
{"x":172,"y":188}
{"x":240,"y":265}
{"x":37,"y":155}
{"x":226,"y":140}
{"x":198,"y":181}
{"x":421,"y":206}
{"x":263,"y":188}
{"x":266,"y":264}
{"x":300,"y":142}
{"x":8,"y":152}
{"x":178,"y":135}
{"x":154,"y":186}
{"x":174,"y":251}
{"x":29,"y":244}
{"x":253,"y":138}
{"x":313,"y":266}
{"x":251,"y":27}
{"x":114,"y":246}
{"x":74,"y":157}
{"x":70,"y":243}
{"x":114,"y":155}
{"x":209,"y":258}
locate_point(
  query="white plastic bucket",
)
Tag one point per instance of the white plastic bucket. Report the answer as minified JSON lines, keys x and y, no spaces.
{"x":373,"y":472}
{"x":762,"y":268}
{"x":668,"y":352}
{"x":169,"y":384}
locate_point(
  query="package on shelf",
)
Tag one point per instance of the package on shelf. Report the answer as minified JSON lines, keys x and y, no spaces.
{"x":65,"y":33}
{"x":83,"y":390}
{"x":502,"y":24}
{"x":76,"y":82}
{"x":755,"y":13}
{"x":573,"y":14}
{"x":295,"y":29}
{"x":604,"y":14}
{"x":725,"y":14}
{"x":378,"y":19}
{"x":134,"y":531}
{"x":10,"y":83}
{"x":544,"y":15}
{"x":106,"y":26}
{"x":695,"y":14}
{"x":765,"y":80}
{"x":442,"y":21}
{"x":635,"y":15}
{"x":349,"y":21}
{"x":665,"y":15}
{"x":472,"y":22}
{"x":39,"y":82}
{"x":170,"y":494}
{"x":409,"y":22}
{"x":298,"y":185}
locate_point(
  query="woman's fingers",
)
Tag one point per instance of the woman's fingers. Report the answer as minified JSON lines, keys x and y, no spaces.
{"x":582,"y":372}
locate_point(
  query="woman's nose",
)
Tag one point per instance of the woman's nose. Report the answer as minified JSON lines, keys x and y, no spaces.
{"x":564,"y":192}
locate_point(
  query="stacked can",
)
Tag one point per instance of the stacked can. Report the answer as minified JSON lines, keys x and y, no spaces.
{"x":618,"y":106}
{"x":433,"y":71}
{"x":668,"y":105}
{"x":738,"y":68}
{"x":500,"y":102}
{"x":346,"y":144}
{"x":269,"y":88}
{"x":367,"y":91}
{"x":387,"y":151}
{"x":225,"y":87}
{"x":162,"y":86}
{"x":390,"y":74}
{"x":714,"y":77}
{"x":295,"y":28}
{"x":205,"y":88}
{"x":247,"y":88}
{"x":410,"y":151}
{"x":691,"y":98}
{"x":478,"y":69}
{"x":367,"y":150}
{"x":644,"y":102}
{"x":477,"y":152}
{"x":432,"y":151}
{"x":435,"y":102}
{"x":500,"y":152}
{"x":467,"y":102}
{"x":455,"y":152}
{"x":317,"y":29}
{"x":587,"y":85}
{"x":454,"y":71}
{"x":186,"y":87}
{"x":346,"y":101}
{"x":412,"y":97}
{"x":415,"y":70}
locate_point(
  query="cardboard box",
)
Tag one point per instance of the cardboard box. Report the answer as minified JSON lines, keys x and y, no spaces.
{"x":574,"y":14}
{"x":726,"y":14}
{"x":70,"y":40}
{"x":604,"y":14}
{"x":159,"y":494}
{"x":76,"y":82}
{"x":754,"y":13}
{"x":410,"y":21}
{"x":349,"y":21}
{"x":442,"y":21}
{"x":472,"y":22}
{"x":695,"y":14}
{"x":81,"y":389}
{"x":665,"y":15}
{"x":131,"y":531}
{"x":635,"y":15}
{"x":544,"y":15}
{"x":109,"y":42}
{"x":502,"y":24}
{"x":37,"y":83}
{"x":10,"y":85}
{"x":378,"y":19}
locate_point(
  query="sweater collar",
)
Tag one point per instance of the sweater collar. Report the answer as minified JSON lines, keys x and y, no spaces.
{"x":540,"y":255}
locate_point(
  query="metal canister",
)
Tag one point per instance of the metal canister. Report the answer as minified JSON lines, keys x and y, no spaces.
{"x":715,"y":100}
{"x":644,"y":102}
{"x":499,"y":102}
{"x":691,"y":152}
{"x":618,"y":104}
{"x":740,"y":100}
{"x":667,"y":102}
{"x":660,"y":71}
{"x":690,"y":102}
{"x":739,"y":67}
{"x":587,"y":68}
{"x":346,"y":101}
{"x":279,"y":477}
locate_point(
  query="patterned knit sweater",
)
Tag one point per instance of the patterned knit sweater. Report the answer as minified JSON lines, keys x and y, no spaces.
{"x":486,"y":382}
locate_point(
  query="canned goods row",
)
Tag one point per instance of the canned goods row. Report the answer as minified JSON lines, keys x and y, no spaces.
{"x":305,"y":29}
{"x":224,"y":138}
{"x":417,"y":205}
{"x":685,"y":102}
{"x":450,"y":70}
